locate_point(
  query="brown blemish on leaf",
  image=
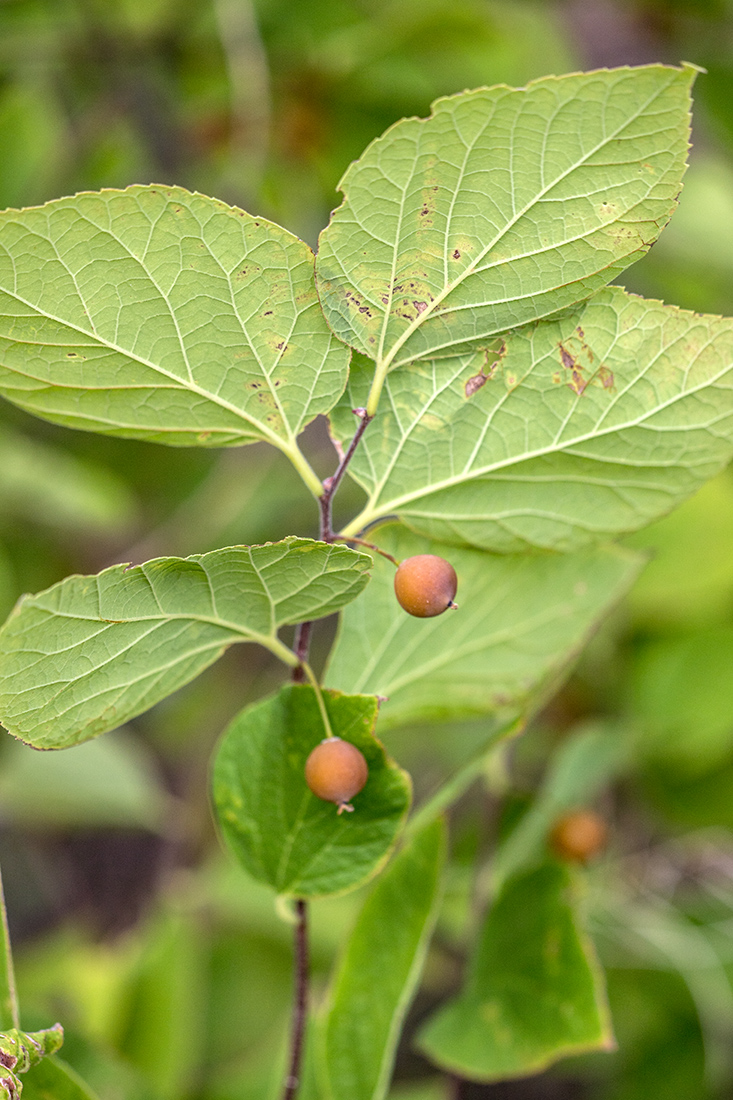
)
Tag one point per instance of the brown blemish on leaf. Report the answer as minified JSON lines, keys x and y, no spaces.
{"x":475,"y":382}
{"x":578,"y":361}
{"x":566,"y":358}
{"x":457,"y":254}
{"x":486,"y":373}
{"x":427,"y":211}
{"x":577,"y":382}
{"x":356,"y":302}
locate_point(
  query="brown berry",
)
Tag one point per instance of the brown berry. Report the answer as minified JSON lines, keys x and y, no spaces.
{"x":425,"y":585}
{"x":579,"y":836}
{"x":335,"y":771}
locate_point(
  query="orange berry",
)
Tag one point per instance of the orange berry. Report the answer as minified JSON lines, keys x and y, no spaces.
{"x":579,"y":836}
{"x":335,"y":771}
{"x":425,"y":585}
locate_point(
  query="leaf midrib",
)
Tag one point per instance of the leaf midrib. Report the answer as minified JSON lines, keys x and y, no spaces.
{"x":163,"y":617}
{"x":372,"y":511}
{"x":179,"y":383}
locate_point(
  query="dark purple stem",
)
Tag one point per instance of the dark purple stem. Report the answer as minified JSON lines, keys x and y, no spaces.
{"x":300,"y":1003}
{"x":455,"y":1087}
{"x":331,"y":484}
{"x":326,"y":533}
{"x":301,"y":645}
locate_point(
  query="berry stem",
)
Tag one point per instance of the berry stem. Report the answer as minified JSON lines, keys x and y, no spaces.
{"x":319,"y":696}
{"x":369,"y":545}
{"x":300,"y":999}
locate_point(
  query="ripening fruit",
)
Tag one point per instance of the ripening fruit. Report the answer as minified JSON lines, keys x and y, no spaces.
{"x":335,"y":771}
{"x":579,"y":835}
{"x":425,"y":585}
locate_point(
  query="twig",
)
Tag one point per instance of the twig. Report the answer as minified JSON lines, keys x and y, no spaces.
{"x":301,"y":645}
{"x":331,"y":484}
{"x":300,"y":1000}
{"x":326,"y":534}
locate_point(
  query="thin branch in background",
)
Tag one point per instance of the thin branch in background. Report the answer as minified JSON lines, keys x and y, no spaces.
{"x":249,"y":81}
{"x":300,"y":1000}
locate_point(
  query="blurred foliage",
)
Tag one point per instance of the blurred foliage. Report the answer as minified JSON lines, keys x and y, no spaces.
{"x":124,"y":909}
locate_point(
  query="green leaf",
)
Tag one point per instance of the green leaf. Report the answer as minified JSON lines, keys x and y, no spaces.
{"x":53,"y":1079}
{"x":576,"y":430}
{"x":520,"y":620}
{"x":162,"y":1032}
{"x":109,"y":782}
{"x":504,"y":206}
{"x":91,"y":652}
{"x":280,"y":832}
{"x":53,"y":487}
{"x":9,"y":1018}
{"x":157,"y":314}
{"x":683,"y":700}
{"x":378,"y":974}
{"x":535,"y":991}
{"x":580,"y":768}
{"x":689,"y":579}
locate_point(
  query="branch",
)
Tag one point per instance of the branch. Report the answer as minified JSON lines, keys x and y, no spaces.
{"x":301,"y":645}
{"x":331,"y":484}
{"x":300,"y":1000}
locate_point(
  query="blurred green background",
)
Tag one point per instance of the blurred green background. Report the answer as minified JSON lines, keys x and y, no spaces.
{"x":165,"y":964}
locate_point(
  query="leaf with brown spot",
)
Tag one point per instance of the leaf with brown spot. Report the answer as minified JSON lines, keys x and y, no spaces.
{"x":533,"y":464}
{"x":531,"y":234}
